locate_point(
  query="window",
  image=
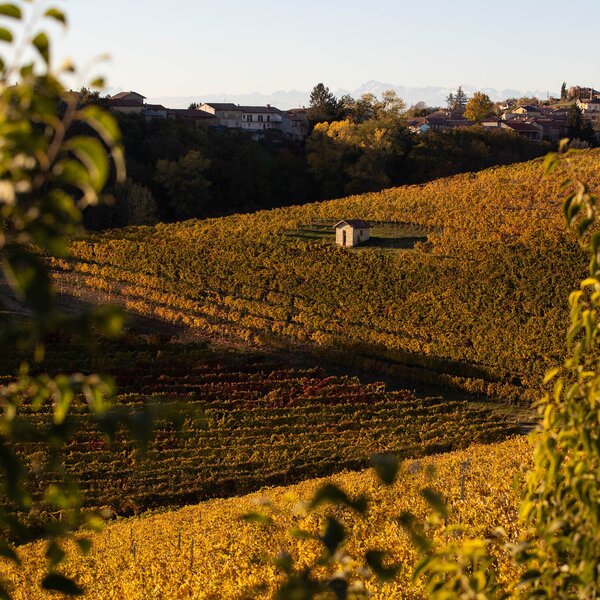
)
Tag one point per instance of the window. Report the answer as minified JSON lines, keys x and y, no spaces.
{"x":260,"y":118}
{"x":249,"y":117}
{"x":268,"y":118}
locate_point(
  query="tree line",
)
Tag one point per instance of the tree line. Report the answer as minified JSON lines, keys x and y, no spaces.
{"x":178,"y":171}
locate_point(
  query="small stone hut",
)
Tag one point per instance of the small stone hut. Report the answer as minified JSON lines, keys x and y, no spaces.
{"x":352,"y":232}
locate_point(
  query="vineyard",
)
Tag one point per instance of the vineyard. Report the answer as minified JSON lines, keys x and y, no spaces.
{"x":230,"y":423}
{"x":477,"y":306}
{"x":207,"y":552}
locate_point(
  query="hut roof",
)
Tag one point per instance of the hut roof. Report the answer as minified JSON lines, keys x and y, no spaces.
{"x":356,"y":223}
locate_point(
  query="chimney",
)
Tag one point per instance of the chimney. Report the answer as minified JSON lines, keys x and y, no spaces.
{"x":268,"y":106}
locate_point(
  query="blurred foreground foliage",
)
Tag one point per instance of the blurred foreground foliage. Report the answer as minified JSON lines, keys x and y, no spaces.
{"x":56,"y":157}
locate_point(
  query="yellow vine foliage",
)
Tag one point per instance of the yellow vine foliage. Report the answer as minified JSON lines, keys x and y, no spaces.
{"x":208,"y":552}
{"x":468,"y":308}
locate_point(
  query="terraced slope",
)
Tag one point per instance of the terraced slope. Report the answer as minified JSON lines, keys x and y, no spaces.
{"x":478,"y":305}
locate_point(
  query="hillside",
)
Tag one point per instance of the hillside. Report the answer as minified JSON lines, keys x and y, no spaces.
{"x":463,"y":283}
{"x":208,"y":552}
{"x":227,"y":423}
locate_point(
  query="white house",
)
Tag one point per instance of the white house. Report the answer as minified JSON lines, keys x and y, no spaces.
{"x":352,"y":232}
{"x":260,"y":118}
{"x":590,"y":109}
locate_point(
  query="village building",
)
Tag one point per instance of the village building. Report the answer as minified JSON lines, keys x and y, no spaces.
{"x":228,"y":114}
{"x":154,"y":111}
{"x":590,"y":110}
{"x":440,"y":120}
{"x":127,"y":102}
{"x":352,"y":232}
{"x":193,"y":115}
{"x":296,"y":124}
{"x":260,"y":118}
{"x":530,"y":110}
{"x":529,"y":129}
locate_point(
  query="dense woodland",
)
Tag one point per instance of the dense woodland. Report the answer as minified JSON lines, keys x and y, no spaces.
{"x":178,"y":171}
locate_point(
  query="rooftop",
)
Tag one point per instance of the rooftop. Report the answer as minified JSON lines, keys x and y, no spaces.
{"x":357,"y":223}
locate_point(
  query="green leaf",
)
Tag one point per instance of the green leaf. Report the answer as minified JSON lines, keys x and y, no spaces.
{"x":109,"y":321}
{"x":7,"y":552}
{"x":42,"y":45}
{"x":54,"y":553}
{"x":329,"y":492}
{"x":10,"y":10}
{"x":334,"y":535}
{"x":85,"y":545}
{"x":59,"y":583}
{"x":29,"y":279}
{"x":92,"y":155}
{"x":103,"y":122}
{"x":374,"y":559}
{"x":57,"y":15}
{"x":550,"y":162}
{"x":584,"y":225}
{"x":5,"y":35}
{"x":301,"y":534}
{"x":255,"y":517}
{"x":435,"y":501}
{"x":386,"y":467}
{"x":339,"y":587}
{"x":285,"y":562}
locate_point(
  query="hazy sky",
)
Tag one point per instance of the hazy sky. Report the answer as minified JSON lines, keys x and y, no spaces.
{"x":188,"y":47}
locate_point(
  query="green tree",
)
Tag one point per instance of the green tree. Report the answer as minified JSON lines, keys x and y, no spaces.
{"x":563,"y":91}
{"x":185,"y":184}
{"x":193,"y":106}
{"x":460,"y":98}
{"x":579,"y":128}
{"x":323,"y":105}
{"x":136,"y":204}
{"x":478,"y":107}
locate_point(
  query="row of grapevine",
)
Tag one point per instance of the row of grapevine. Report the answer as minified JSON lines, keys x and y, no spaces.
{"x":230,"y":423}
{"x":208,"y":552}
{"x":462,"y":309}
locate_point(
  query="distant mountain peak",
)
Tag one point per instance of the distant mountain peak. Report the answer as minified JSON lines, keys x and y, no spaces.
{"x":431,"y":95}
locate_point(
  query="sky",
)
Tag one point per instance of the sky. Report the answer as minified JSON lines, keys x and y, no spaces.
{"x":195,"y":47}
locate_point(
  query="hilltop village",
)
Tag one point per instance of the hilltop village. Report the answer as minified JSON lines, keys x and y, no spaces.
{"x":530,"y":118}
{"x":253,"y":119}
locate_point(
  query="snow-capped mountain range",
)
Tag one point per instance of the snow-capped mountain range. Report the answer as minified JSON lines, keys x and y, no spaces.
{"x":431,"y":95}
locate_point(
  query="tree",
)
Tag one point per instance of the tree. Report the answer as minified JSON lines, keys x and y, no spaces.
{"x":193,"y":106}
{"x":187,"y":188}
{"x":323,"y":105}
{"x":136,"y":204}
{"x":457,"y":100}
{"x":460,"y":98}
{"x":479,"y":107}
{"x":369,"y":107}
{"x":563,"y":91}
{"x":578,"y":127}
